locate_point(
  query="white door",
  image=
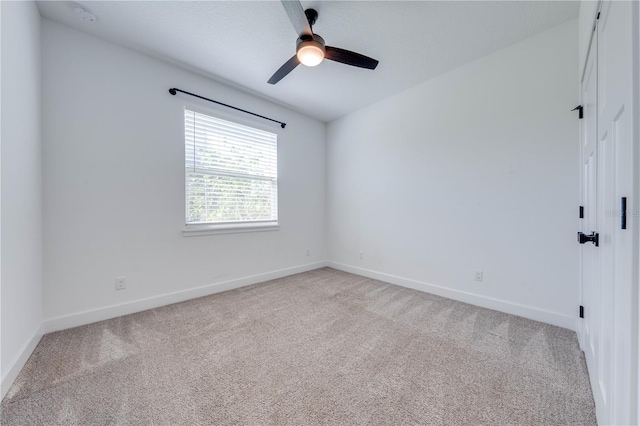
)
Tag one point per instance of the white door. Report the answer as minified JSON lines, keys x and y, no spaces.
{"x":590,"y":253}
{"x":615,"y":135}
{"x":607,"y":181}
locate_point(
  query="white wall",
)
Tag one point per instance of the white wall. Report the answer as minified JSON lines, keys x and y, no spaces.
{"x":475,"y":169}
{"x":113,"y":152}
{"x":21,"y":191}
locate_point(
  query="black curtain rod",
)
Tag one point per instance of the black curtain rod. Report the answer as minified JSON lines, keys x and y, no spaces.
{"x":174,"y":90}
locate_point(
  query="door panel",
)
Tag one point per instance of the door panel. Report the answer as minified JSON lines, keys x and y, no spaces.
{"x":605,"y":255}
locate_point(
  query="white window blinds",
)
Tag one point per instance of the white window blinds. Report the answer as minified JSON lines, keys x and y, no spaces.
{"x":231,"y":172}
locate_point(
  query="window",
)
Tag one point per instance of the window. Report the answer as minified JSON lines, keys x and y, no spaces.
{"x":231,"y":175}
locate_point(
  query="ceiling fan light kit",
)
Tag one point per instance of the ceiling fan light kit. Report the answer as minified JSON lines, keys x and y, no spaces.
{"x":311,"y":49}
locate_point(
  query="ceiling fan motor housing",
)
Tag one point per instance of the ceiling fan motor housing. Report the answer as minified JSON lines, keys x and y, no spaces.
{"x":312,"y":40}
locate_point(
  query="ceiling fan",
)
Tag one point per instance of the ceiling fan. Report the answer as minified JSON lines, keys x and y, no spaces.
{"x":310,"y":47}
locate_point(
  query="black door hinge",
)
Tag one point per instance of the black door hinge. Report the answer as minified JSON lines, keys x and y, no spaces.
{"x":598,"y":17}
{"x":579,"y":109}
{"x":581,"y":214}
{"x":581,"y":311}
{"x":623,"y":213}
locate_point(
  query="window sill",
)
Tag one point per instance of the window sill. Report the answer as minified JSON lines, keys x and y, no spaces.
{"x":230,"y":228}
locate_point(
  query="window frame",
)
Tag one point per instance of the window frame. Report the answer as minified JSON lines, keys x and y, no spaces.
{"x":212,"y":228}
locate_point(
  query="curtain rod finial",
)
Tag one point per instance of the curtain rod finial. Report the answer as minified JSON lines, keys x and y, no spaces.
{"x":172,"y":91}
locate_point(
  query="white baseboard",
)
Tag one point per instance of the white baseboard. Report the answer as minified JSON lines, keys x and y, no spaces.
{"x":112,"y":311}
{"x":536,"y":314}
{"x":19,"y":361}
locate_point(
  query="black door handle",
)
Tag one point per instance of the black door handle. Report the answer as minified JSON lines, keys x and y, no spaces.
{"x":591,"y":238}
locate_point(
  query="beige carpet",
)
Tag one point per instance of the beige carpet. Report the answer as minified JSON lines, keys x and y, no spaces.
{"x":323,"y":347}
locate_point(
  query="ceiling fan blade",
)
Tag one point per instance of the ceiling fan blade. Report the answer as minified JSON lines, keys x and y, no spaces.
{"x":297,"y":16}
{"x":350,"y":58}
{"x":284,"y":70}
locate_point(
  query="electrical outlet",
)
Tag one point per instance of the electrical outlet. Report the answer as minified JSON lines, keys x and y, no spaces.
{"x":121,"y":283}
{"x":308,"y":252}
{"x":361,"y":255}
{"x":478,"y":275}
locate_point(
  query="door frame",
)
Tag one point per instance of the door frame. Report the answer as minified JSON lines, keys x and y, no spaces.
{"x":635,"y":205}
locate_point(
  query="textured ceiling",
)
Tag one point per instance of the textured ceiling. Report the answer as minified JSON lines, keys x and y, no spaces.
{"x":244,"y":43}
